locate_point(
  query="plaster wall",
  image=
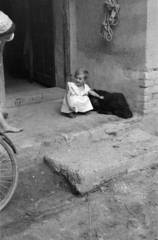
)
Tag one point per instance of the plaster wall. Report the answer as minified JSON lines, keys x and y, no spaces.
{"x":114,"y":65}
{"x":152,"y":35}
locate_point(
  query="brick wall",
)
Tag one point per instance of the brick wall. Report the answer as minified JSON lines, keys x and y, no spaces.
{"x":148,"y":87}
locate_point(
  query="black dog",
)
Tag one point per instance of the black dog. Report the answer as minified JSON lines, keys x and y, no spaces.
{"x":113,"y":103}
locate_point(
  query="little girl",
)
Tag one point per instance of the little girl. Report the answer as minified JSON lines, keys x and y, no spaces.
{"x":76,"y":98}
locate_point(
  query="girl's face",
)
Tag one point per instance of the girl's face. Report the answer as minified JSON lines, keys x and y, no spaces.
{"x":79,"y":80}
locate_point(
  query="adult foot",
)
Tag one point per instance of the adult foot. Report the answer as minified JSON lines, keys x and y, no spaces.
{"x":12,"y":129}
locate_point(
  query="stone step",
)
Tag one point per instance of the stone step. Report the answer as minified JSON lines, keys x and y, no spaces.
{"x":32,"y":97}
{"x":33,"y":147}
{"x":92,"y":162}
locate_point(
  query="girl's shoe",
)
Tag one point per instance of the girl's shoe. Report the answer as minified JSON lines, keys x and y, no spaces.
{"x":85,"y":113}
{"x":70,"y":115}
{"x":5,"y":115}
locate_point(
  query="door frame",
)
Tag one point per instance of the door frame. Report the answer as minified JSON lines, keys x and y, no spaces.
{"x":66,"y":39}
{"x":70,"y":38}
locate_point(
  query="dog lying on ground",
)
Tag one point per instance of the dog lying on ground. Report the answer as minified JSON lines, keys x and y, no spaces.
{"x":113,"y":103}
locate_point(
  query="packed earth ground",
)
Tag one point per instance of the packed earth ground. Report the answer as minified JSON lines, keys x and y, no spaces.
{"x":45,"y":207}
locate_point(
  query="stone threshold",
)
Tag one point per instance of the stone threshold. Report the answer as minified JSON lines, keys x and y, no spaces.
{"x":32,"y":151}
{"x":31,"y":97}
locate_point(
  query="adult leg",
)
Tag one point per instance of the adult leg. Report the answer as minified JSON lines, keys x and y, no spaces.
{"x":5,"y":127}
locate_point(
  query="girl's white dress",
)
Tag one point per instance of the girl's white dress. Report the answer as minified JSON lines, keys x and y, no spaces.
{"x":78,"y":99}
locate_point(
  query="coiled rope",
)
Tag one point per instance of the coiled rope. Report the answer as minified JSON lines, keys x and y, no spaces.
{"x":111,"y":8}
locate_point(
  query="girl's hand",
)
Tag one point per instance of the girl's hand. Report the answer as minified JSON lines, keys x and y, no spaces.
{"x":101,"y":97}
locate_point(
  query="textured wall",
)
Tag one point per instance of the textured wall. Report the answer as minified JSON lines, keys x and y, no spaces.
{"x":115,"y":65}
{"x":152,"y":35}
{"x":148,"y":80}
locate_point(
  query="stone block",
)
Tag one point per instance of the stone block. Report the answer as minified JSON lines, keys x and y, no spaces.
{"x":150,"y":104}
{"x":146,"y":83}
{"x":152,"y":75}
{"x":149,"y":110}
{"x":145,"y":98}
{"x":155,"y":96}
{"x":148,"y":90}
{"x":131,"y":74}
{"x":90,"y":165}
{"x":156,"y":81}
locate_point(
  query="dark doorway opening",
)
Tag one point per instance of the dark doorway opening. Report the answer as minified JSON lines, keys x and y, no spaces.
{"x":29,"y":57}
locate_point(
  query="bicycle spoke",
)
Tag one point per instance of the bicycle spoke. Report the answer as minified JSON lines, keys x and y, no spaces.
{"x":1,"y":177}
{"x":2,"y":192}
{"x":4,"y":186}
{"x":8,"y":162}
{"x":4,"y":170}
{"x":3,"y":159}
{"x":5,"y":181}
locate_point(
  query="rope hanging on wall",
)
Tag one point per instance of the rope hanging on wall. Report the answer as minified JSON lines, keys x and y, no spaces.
{"x":111,"y":8}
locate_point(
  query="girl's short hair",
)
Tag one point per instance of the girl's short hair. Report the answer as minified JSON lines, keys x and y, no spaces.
{"x":82,"y":71}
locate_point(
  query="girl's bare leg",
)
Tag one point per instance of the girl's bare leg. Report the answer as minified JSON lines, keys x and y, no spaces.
{"x":5,"y":127}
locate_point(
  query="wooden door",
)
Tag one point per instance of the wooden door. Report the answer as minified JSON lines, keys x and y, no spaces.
{"x":42,"y":31}
{"x":14,"y":50}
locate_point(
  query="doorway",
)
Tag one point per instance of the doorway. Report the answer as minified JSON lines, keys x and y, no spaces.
{"x":29,"y":58}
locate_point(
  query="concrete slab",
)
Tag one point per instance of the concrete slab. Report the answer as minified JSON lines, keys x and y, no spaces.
{"x":92,"y":162}
{"x":83,"y":149}
{"x":46,"y":129}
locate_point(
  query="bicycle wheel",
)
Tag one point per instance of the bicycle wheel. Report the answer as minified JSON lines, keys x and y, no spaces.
{"x":8,"y":173}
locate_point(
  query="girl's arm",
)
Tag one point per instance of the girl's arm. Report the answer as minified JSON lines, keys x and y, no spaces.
{"x":95,"y":94}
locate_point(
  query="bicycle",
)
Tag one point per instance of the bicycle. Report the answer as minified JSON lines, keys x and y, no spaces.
{"x":8,"y":170}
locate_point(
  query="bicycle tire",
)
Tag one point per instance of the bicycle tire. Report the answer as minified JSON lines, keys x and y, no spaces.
{"x":14,"y":169}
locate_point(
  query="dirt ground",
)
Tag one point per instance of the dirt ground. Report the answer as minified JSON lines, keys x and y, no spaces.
{"x":44,"y":208}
